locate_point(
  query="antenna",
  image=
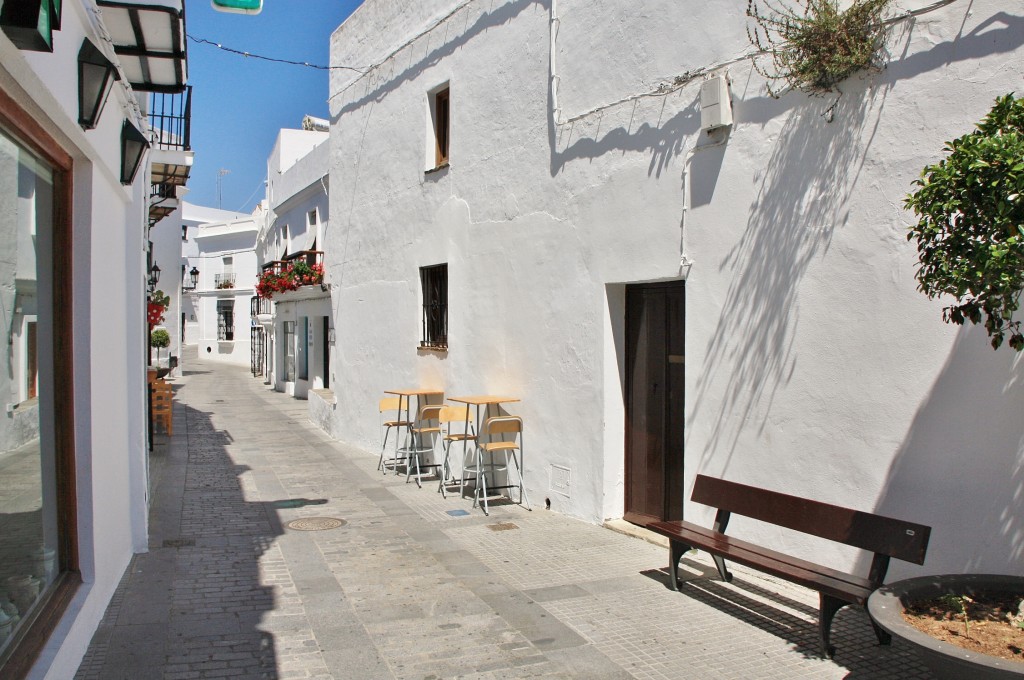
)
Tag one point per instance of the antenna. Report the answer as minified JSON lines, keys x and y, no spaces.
{"x":220,"y":173}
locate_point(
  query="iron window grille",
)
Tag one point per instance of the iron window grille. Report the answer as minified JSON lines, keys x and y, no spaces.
{"x":434,"y":282}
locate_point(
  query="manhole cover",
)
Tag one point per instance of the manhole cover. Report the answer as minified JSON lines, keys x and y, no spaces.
{"x":502,"y":526}
{"x":316,"y":523}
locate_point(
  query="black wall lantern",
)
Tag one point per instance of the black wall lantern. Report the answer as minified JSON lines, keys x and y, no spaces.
{"x":154,"y":276}
{"x":30,"y":23}
{"x":96,"y":75}
{"x":133,"y":147}
{"x":195,"y":277}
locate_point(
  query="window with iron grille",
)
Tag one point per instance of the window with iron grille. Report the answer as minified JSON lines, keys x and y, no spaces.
{"x":225,"y":319}
{"x":434,"y":282}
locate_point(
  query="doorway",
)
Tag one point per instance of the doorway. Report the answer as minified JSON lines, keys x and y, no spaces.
{"x":655,"y":374}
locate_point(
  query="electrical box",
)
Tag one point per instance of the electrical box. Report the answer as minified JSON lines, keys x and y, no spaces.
{"x":715,"y":105}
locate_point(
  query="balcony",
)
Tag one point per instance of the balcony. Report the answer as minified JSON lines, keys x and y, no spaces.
{"x":298,"y":270}
{"x":224,"y":281}
{"x":170,"y":122}
{"x":260,"y":306}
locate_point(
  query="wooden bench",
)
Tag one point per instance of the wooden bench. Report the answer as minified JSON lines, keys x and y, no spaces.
{"x":883,"y":536}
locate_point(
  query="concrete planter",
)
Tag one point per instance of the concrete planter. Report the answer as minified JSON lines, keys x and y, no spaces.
{"x":945,"y":661}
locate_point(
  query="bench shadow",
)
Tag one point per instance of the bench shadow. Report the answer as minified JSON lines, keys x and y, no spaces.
{"x":857,"y":648}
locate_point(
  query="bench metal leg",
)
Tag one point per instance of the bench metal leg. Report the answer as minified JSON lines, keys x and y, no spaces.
{"x":676,"y":550}
{"x":722,"y":571}
{"x":827,"y":610}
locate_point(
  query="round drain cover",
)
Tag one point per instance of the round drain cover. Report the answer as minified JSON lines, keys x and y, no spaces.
{"x":316,"y":523}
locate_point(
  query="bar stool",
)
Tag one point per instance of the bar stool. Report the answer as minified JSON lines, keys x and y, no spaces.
{"x":451,"y":418}
{"x":386,"y":407}
{"x":500,"y":427}
{"x":426,"y":429}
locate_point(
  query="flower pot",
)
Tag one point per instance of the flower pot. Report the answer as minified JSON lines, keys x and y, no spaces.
{"x":944,"y":660}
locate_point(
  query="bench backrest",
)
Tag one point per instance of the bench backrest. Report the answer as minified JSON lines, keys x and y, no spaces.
{"x":884,"y":535}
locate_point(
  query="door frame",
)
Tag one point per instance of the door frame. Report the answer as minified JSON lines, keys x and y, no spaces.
{"x":672,"y":466}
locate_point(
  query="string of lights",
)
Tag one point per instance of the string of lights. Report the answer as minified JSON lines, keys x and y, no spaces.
{"x":306,"y":64}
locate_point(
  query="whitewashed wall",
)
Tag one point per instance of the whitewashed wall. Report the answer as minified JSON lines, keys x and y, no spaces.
{"x":814,"y":367}
{"x":215,"y":241}
{"x":109,"y":337}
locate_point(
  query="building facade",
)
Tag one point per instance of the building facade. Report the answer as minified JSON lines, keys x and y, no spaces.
{"x":295,"y":326}
{"x":78,"y":162}
{"x":526,"y":215}
{"x":226,"y":261}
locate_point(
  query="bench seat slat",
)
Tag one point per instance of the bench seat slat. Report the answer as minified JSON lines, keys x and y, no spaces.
{"x":817,"y":577}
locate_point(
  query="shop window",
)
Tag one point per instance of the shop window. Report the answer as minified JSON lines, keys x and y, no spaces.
{"x":38,"y":541}
{"x":225,"y":319}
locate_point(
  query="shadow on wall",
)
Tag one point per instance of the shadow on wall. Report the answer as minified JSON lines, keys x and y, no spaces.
{"x":960,"y":468}
{"x":799,"y":203}
{"x":381,"y":83}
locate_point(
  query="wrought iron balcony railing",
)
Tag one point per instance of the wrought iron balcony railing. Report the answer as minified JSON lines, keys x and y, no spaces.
{"x":170,"y":119}
{"x":222,"y":281}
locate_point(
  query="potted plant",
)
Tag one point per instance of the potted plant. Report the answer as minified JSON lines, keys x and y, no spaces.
{"x":159,"y":338}
{"x":970,"y":244}
{"x":889,"y":605}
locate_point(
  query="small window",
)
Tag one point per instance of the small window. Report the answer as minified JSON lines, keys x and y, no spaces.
{"x":312,"y":217}
{"x":434,"y":280}
{"x":441,"y":117}
{"x":289,"y":351}
{"x":225,"y":319}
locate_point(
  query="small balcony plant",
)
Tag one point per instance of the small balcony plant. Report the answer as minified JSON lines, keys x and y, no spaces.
{"x":292,"y":277}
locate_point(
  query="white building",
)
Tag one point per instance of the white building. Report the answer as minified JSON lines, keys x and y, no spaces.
{"x":226,"y":261}
{"x":192,"y":218}
{"x":296,"y":326}
{"x":532,"y":206}
{"x":75,"y":207}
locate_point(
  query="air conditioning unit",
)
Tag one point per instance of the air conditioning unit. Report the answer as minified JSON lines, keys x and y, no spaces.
{"x":715,"y":105}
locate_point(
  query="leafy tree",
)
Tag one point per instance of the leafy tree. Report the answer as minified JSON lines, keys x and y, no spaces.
{"x":970,"y":229}
{"x":159,"y":338}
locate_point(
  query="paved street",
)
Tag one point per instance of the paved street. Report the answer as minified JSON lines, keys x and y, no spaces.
{"x":409,"y":587}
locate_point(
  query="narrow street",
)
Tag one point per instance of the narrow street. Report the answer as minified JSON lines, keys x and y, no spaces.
{"x":412,"y":585}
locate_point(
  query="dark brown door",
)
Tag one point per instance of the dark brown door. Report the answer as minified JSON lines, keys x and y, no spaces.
{"x":655,"y":349}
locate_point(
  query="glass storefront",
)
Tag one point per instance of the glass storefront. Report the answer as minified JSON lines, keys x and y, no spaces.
{"x":30,"y":540}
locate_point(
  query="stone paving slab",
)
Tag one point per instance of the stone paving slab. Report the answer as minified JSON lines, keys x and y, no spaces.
{"x":409,"y":587}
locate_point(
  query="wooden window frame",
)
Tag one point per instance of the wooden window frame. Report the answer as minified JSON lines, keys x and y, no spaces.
{"x":441,"y":110}
{"x":434,"y":284}
{"x":24,"y":649}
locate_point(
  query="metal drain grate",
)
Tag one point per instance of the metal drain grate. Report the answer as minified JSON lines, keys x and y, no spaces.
{"x":316,"y":523}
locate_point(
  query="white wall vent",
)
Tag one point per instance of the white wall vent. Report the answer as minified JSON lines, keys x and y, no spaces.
{"x":715,"y":105}
{"x":560,"y":480}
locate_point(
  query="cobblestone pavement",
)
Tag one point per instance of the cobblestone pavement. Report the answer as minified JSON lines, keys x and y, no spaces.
{"x":409,"y":586}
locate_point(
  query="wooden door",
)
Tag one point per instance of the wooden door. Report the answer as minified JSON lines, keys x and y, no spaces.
{"x":655,"y":372}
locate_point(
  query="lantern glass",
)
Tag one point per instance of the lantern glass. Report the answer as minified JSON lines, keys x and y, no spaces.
{"x":96,"y":76}
{"x":133,"y":147}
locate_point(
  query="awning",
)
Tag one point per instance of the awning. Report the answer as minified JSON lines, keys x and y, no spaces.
{"x":149,"y":40}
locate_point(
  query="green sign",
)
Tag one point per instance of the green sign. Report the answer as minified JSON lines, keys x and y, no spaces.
{"x":239,"y":6}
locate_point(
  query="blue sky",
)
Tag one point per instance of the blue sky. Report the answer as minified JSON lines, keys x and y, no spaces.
{"x":239,"y":103}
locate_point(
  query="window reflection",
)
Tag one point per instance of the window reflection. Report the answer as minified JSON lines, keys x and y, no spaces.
{"x":28,"y":513}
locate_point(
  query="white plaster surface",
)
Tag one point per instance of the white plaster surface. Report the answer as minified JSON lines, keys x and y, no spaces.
{"x":814,"y":367}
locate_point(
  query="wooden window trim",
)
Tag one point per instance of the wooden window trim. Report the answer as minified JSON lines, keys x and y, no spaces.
{"x":33,"y":636}
{"x":442,"y":127}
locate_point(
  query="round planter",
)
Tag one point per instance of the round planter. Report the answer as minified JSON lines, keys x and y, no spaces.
{"x":945,"y":661}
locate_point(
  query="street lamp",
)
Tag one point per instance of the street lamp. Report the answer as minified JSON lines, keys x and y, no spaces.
{"x":96,"y":75}
{"x":194,"y":274}
{"x":154,"y":276}
{"x":133,"y":147}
